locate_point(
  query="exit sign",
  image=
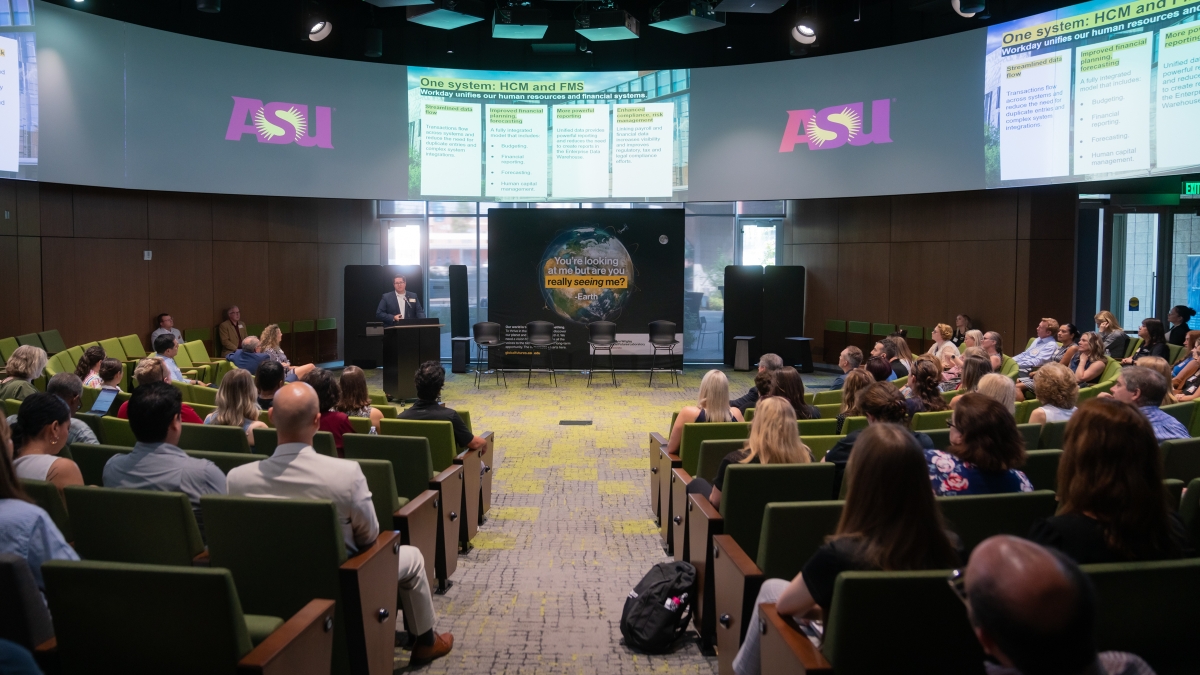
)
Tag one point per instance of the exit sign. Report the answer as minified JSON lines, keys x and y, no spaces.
{"x":1191,"y":188}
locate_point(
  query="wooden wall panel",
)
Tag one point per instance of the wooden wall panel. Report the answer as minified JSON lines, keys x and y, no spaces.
{"x":292,"y":283}
{"x":56,"y":210}
{"x":1053,"y":213}
{"x":29,"y":270}
{"x":59,"y":289}
{"x":117,"y":303}
{"x":917,"y":297}
{"x":821,"y":265}
{"x":982,"y":215}
{"x":181,"y":284}
{"x":863,"y":278}
{"x":180,"y":215}
{"x":811,"y":221}
{"x":980,"y":284}
{"x":239,"y":218}
{"x":339,"y":221}
{"x":239,"y":277}
{"x":1051,"y":278}
{"x":8,"y":208}
{"x":369,"y":218}
{"x":864,"y":219}
{"x":110,"y":214}
{"x":28,"y":208}
{"x":291,"y":219}
{"x":10,"y":288}
{"x":333,"y":259}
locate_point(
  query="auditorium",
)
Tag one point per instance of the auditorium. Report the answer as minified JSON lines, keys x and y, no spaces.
{"x":358,"y":337}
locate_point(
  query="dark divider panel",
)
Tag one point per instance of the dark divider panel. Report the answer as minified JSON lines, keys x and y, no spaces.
{"x":783,"y":311}
{"x":743,"y":308}
{"x":364,"y":287}
{"x":460,"y":308}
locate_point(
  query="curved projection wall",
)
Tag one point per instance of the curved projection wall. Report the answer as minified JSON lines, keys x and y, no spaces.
{"x":127,"y":106}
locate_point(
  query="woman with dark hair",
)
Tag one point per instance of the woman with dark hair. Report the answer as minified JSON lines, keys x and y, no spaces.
{"x":40,"y":433}
{"x":88,"y":368}
{"x":356,"y":400}
{"x":879,"y":369}
{"x":924,"y":381}
{"x":856,"y":380}
{"x":328,"y":395}
{"x":28,"y":530}
{"x":1154,"y":342}
{"x":962,"y":324}
{"x":879,"y":402}
{"x":1179,"y":317}
{"x":111,"y":373}
{"x":985,"y":451}
{"x":786,"y":383}
{"x":1187,"y":365}
{"x":890,"y":522}
{"x":1112,"y":506}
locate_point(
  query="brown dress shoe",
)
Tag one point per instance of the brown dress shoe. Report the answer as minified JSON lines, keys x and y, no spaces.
{"x":442,"y":644}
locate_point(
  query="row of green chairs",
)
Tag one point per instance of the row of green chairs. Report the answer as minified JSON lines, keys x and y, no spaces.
{"x":48,"y":340}
{"x":304,"y":341}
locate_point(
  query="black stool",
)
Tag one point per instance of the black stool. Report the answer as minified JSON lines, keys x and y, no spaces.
{"x":487,"y":337}
{"x":662,"y":339}
{"x":541,"y":334}
{"x":602,"y":335}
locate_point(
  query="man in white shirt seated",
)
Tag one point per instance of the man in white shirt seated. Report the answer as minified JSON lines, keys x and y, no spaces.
{"x":1041,"y":351}
{"x":166,"y":326}
{"x":296,"y":471}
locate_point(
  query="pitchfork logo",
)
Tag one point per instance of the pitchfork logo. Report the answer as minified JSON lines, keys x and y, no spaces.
{"x":836,"y":126}
{"x":280,"y":123}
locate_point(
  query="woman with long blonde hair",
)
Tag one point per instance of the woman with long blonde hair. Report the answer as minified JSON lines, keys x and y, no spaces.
{"x":1111,"y":332}
{"x":856,"y":380}
{"x":1090,"y":360}
{"x":711,"y":406}
{"x":237,"y":404}
{"x":272,"y":335}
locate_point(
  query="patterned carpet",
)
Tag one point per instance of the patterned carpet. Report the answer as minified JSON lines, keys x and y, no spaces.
{"x":570,"y":532}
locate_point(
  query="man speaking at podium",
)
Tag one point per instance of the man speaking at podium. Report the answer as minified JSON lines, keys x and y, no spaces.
{"x":399,"y":304}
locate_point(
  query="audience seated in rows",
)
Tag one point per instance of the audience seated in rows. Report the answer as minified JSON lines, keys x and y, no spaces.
{"x":711,"y":406}
{"x":328,"y":394}
{"x":985,"y":452}
{"x":951,"y":361}
{"x":166,"y":326}
{"x":1041,"y":351}
{"x":248,"y":357}
{"x":68,"y":387}
{"x":165,"y":347}
{"x":1090,"y":361}
{"x":237,"y":404}
{"x":1057,"y":390}
{"x":941,"y":336}
{"x":1064,"y":354}
{"x":356,"y":400}
{"x":886,"y":350}
{"x":879,"y":402}
{"x":925,"y":394}
{"x":774,"y":439}
{"x":232,"y":331}
{"x":993,"y":346}
{"x":962,"y":327}
{"x":1145,"y":389}
{"x":786,"y":383}
{"x":850,"y":359}
{"x":1154,"y":342}
{"x":25,"y":528}
{"x":1189,"y":365}
{"x":25,"y":365}
{"x":148,"y":371}
{"x":268,"y":379}
{"x":1160,"y":366}
{"x":431,"y":378}
{"x":903,"y":354}
{"x":1115,"y":339}
{"x":890,"y":522}
{"x":974,"y":368}
{"x":269,"y":345}
{"x":880,"y":369}
{"x":156,"y":462}
{"x":1178,"y":317}
{"x":768,"y":364}
{"x":974,"y":338}
{"x":1112,"y":506}
{"x":856,"y":381}
{"x":999,"y":388}
{"x":1189,"y":388}
{"x":43,"y":425}
{"x":88,"y":368}
{"x":296,"y":471}
{"x":1034,"y":611}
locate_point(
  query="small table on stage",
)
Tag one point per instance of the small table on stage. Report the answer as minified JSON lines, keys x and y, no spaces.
{"x":741,"y":352}
{"x":405,"y":347}
{"x":804,"y":353}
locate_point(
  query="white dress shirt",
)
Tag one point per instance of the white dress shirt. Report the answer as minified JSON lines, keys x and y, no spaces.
{"x":296,"y":471}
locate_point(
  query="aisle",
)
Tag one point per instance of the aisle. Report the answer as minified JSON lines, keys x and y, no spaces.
{"x":570,"y":531}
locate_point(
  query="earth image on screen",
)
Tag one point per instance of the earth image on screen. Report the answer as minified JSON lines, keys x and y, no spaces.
{"x":586,"y":252}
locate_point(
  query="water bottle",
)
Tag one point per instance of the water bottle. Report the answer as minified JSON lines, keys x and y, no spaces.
{"x":372,"y":431}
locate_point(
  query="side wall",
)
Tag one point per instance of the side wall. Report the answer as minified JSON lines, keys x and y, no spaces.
{"x":1004,"y":257}
{"x":71,"y":258}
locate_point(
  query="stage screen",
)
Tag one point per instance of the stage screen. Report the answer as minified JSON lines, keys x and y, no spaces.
{"x":575,"y":266}
{"x":530,"y":136}
{"x":18,"y":90}
{"x":1099,"y":90}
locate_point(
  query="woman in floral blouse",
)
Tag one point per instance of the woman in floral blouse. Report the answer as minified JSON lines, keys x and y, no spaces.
{"x":984,"y":454}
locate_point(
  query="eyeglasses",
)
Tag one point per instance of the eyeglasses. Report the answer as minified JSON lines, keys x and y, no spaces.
{"x":950,"y":425}
{"x":958,"y":583}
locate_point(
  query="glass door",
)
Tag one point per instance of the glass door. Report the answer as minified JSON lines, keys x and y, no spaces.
{"x":758,"y":240}
{"x":1135,"y":286}
{"x":1185,"y":259}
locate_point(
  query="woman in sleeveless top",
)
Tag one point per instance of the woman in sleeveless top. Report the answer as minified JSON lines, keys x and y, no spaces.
{"x":237,"y":404}
{"x":1057,"y":390}
{"x":712,"y":406}
{"x":1091,"y":359}
{"x":38,"y":436}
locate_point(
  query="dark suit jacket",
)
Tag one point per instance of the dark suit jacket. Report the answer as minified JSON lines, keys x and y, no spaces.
{"x":389,"y":307}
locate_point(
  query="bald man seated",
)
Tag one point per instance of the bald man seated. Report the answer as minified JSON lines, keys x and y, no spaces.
{"x":1034,"y":611}
{"x":296,"y":471}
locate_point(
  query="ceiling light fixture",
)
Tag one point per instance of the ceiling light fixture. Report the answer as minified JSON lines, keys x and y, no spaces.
{"x":686,"y":16}
{"x":447,"y":14}
{"x":606,"y":23}
{"x":520,"y":23}
{"x":317,"y":25}
{"x":967,"y":8}
{"x":320,"y":30}
{"x":805,"y":31}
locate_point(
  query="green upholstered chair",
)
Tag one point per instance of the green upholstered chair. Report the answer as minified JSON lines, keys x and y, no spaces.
{"x":114,"y":349}
{"x":948,"y":396}
{"x":854,"y":424}
{"x":1189,"y":508}
{"x":92,"y":458}
{"x":1024,"y":408}
{"x":790,"y":533}
{"x":265,"y":441}
{"x":940,"y":437}
{"x":917,"y":338}
{"x":808,"y":397}
{"x":687,"y":458}
{"x":1174,"y":489}
{"x":214,"y":438}
{"x":97,"y":605}
{"x":1041,"y":468}
{"x":931,"y":420}
{"x":327,"y":340}
{"x":977,"y":517}
{"x":711,"y":454}
{"x":858,"y":334}
{"x":1051,"y":437}
{"x":284,"y":552}
{"x":226,"y":461}
{"x":1131,"y":598}
{"x":1032,"y":433}
{"x":417,"y":520}
{"x":185,"y":390}
{"x":205,"y":395}
{"x":203,"y":410}
{"x":52,"y":342}
{"x":748,"y":415}
{"x":748,"y":488}
{"x":709,"y":459}
{"x":133,"y":347}
{"x":1181,"y":458}
{"x":117,"y":431}
{"x":47,"y":496}
{"x":1111,"y":370}
{"x":882,"y":330}
{"x":819,"y":445}
{"x":1009,"y":367}
{"x":190,"y":370}
{"x":378,"y":398}
{"x":389,"y":411}
{"x":362,"y":425}
{"x":828,"y":410}
{"x":93,"y":422}
{"x":835,"y":340}
{"x":9,"y":345}
{"x":832,"y":396}
{"x":1181,"y":411}
{"x":55,"y":365}
{"x":1135,"y":343}
{"x":413,"y":475}
{"x":31,"y":339}
{"x":818,"y":427}
{"x":900,"y":382}
{"x":1176,"y":352}
{"x":11,"y":406}
{"x":75,"y":353}
{"x":134,"y":526}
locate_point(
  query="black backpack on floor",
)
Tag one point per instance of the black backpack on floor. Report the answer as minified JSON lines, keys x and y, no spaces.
{"x":659,"y":608}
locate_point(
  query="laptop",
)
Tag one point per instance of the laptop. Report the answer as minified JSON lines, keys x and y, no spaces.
{"x":104,"y":401}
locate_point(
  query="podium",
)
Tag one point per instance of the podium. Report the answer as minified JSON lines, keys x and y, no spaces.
{"x":405,"y":347}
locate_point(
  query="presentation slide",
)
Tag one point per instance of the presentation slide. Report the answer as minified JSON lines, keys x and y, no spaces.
{"x":19,"y":99}
{"x":1099,"y":90}
{"x":531,"y":136}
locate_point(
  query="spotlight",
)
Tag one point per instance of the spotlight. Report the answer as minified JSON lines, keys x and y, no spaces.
{"x":520,"y":23}
{"x":686,"y":16}
{"x":447,"y":14}
{"x":374,"y":43}
{"x":207,"y":6}
{"x":606,"y":23}
{"x":317,"y":25}
{"x":967,"y":8}
{"x":320,"y":30}
{"x":805,"y":31}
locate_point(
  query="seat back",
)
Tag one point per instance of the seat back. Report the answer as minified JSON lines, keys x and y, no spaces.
{"x":859,"y":327}
{"x":128,"y":618}
{"x":1181,"y":458}
{"x":792,"y":532}
{"x":214,"y":438}
{"x":1024,"y":408}
{"x":1189,"y":508}
{"x":923,"y":421}
{"x":225,"y":461}
{"x":1111,"y":370}
{"x":411,"y":464}
{"x":1131,"y":600}
{"x":977,"y":517}
{"x":55,"y":365}
{"x":865,"y":611}
{"x":1052,"y":434}
{"x":1041,"y":468}
{"x":46,"y":495}
{"x":694,"y":434}
{"x":265,"y":441}
{"x":382,"y":484}
{"x":819,"y":445}
{"x":1009,"y":367}
{"x":882,"y":329}
{"x":540,"y":332}
{"x":661,"y":332}
{"x":1134,"y":344}
{"x":205,"y":395}
{"x":835,"y":325}
{"x":11,"y":406}
{"x":117,"y":431}
{"x":92,"y":458}
{"x":711,"y":454}
{"x":9,"y":345}
{"x":817,"y":427}
{"x":196,"y":350}
{"x":113,"y":348}
{"x":52,"y":342}
{"x":75,"y":353}
{"x":1032,"y":433}
{"x":132,"y":345}
{"x":854,"y":424}
{"x":1175,"y":351}
{"x":24,"y":618}
{"x":940,"y":437}
{"x":439,"y":433}
{"x":828,"y":410}
{"x":748,"y":488}
{"x":30,"y":339}
{"x":134,"y":526}
{"x":185,"y":390}
{"x":1181,"y":411}
{"x":832,"y":396}
{"x":602,"y":332}
{"x":485,"y":331}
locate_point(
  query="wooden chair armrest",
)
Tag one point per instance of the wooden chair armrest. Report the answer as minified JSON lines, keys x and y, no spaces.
{"x":382,"y":546}
{"x":488,"y":454}
{"x":369,"y":583}
{"x":46,"y":647}
{"x":656,"y":437}
{"x":201,"y":559}
{"x":302,"y":645}
{"x":680,"y":476}
{"x":784,"y":649}
{"x":425,"y":501}
{"x":418,"y":524}
{"x":702,"y":507}
{"x":733,"y":554}
{"x":676,"y":460}
{"x":453,"y":472}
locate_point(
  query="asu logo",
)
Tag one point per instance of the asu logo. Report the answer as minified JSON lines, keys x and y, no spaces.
{"x":836,"y":126}
{"x":279,"y":123}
